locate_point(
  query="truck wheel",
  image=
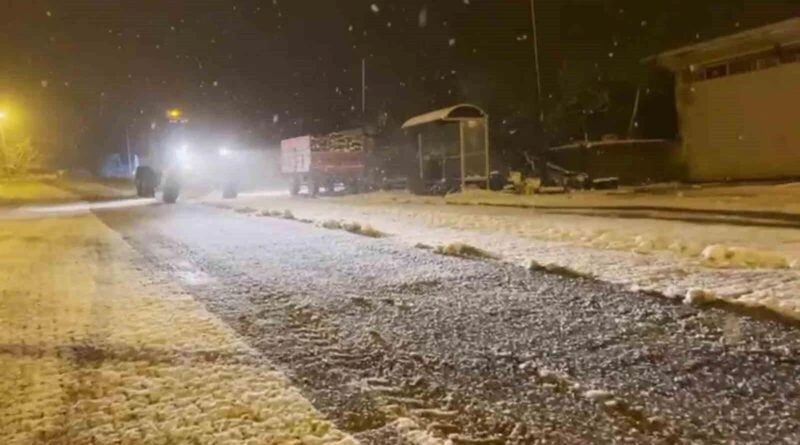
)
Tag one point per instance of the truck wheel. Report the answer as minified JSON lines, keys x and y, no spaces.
{"x":230,"y":192}
{"x":313,"y":188}
{"x":145,"y":182}
{"x":170,"y":195}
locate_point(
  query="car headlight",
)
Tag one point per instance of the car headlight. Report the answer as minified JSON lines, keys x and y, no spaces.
{"x":184,"y":158}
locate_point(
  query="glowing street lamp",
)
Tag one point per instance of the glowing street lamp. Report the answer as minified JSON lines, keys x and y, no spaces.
{"x":2,"y":131}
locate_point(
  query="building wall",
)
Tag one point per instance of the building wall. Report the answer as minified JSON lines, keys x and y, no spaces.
{"x":633,"y":162}
{"x":743,"y":126}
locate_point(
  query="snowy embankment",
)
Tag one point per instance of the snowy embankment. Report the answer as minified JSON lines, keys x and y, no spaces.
{"x":50,"y":189}
{"x":748,"y":266}
{"x":780,"y":198}
{"x":96,"y":351}
{"x":14,"y":192}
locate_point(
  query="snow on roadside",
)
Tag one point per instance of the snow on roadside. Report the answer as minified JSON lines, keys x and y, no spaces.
{"x":715,"y":245}
{"x":508,"y":235}
{"x":783,"y":198}
{"x":95,"y":351}
{"x":17,"y":192}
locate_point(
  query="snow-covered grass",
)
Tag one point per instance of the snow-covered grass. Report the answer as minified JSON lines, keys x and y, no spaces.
{"x":463,"y":250}
{"x":22,"y":191}
{"x":331,"y":224}
{"x":744,"y":266}
{"x":365,"y":230}
{"x":97,"y":352}
{"x":556,"y":269}
{"x":352,"y":227}
{"x":246,"y":210}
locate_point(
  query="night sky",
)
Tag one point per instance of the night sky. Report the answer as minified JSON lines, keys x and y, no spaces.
{"x":80,"y":71}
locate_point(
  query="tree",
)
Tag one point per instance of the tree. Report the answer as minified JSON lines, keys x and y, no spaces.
{"x":17,"y":158}
{"x":583,"y":95}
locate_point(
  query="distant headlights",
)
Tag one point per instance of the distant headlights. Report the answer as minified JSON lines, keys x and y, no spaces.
{"x":184,"y":158}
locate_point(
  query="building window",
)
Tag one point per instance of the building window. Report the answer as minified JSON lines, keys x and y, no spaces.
{"x":694,"y":75}
{"x":768,"y":62}
{"x":754,"y":62}
{"x":716,"y":71}
{"x":741,"y":66}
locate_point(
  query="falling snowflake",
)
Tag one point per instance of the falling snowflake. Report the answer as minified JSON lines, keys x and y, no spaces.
{"x":276,"y":118}
{"x":611,"y":55}
{"x":375,"y":8}
{"x":44,"y":83}
{"x":216,"y":84}
{"x":49,"y":14}
{"x":466,"y":2}
{"x":452,"y":42}
{"x":422,"y":19}
{"x":350,"y":28}
{"x":644,"y":23}
{"x":389,"y":24}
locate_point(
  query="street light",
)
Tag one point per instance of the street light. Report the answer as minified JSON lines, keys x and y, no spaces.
{"x":2,"y":131}
{"x":175,"y":115}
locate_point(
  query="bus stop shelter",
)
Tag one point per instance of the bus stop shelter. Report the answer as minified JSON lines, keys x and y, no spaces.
{"x":453,"y":146}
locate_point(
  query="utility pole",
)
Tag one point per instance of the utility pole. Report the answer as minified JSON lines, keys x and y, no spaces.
{"x":364,"y":88}
{"x":536,"y":61}
{"x":128,"y":149}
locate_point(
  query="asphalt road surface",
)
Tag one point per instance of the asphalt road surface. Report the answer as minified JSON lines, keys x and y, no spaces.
{"x":476,"y":351}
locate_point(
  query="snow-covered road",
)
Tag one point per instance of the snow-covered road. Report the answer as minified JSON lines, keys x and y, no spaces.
{"x":749,"y":266}
{"x":396,"y":344}
{"x":95,"y":349}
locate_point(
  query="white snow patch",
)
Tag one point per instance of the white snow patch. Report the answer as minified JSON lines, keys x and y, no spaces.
{"x":598,"y":395}
{"x":698,"y":296}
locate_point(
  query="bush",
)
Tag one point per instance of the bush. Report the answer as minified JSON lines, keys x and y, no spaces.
{"x":17,"y":158}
